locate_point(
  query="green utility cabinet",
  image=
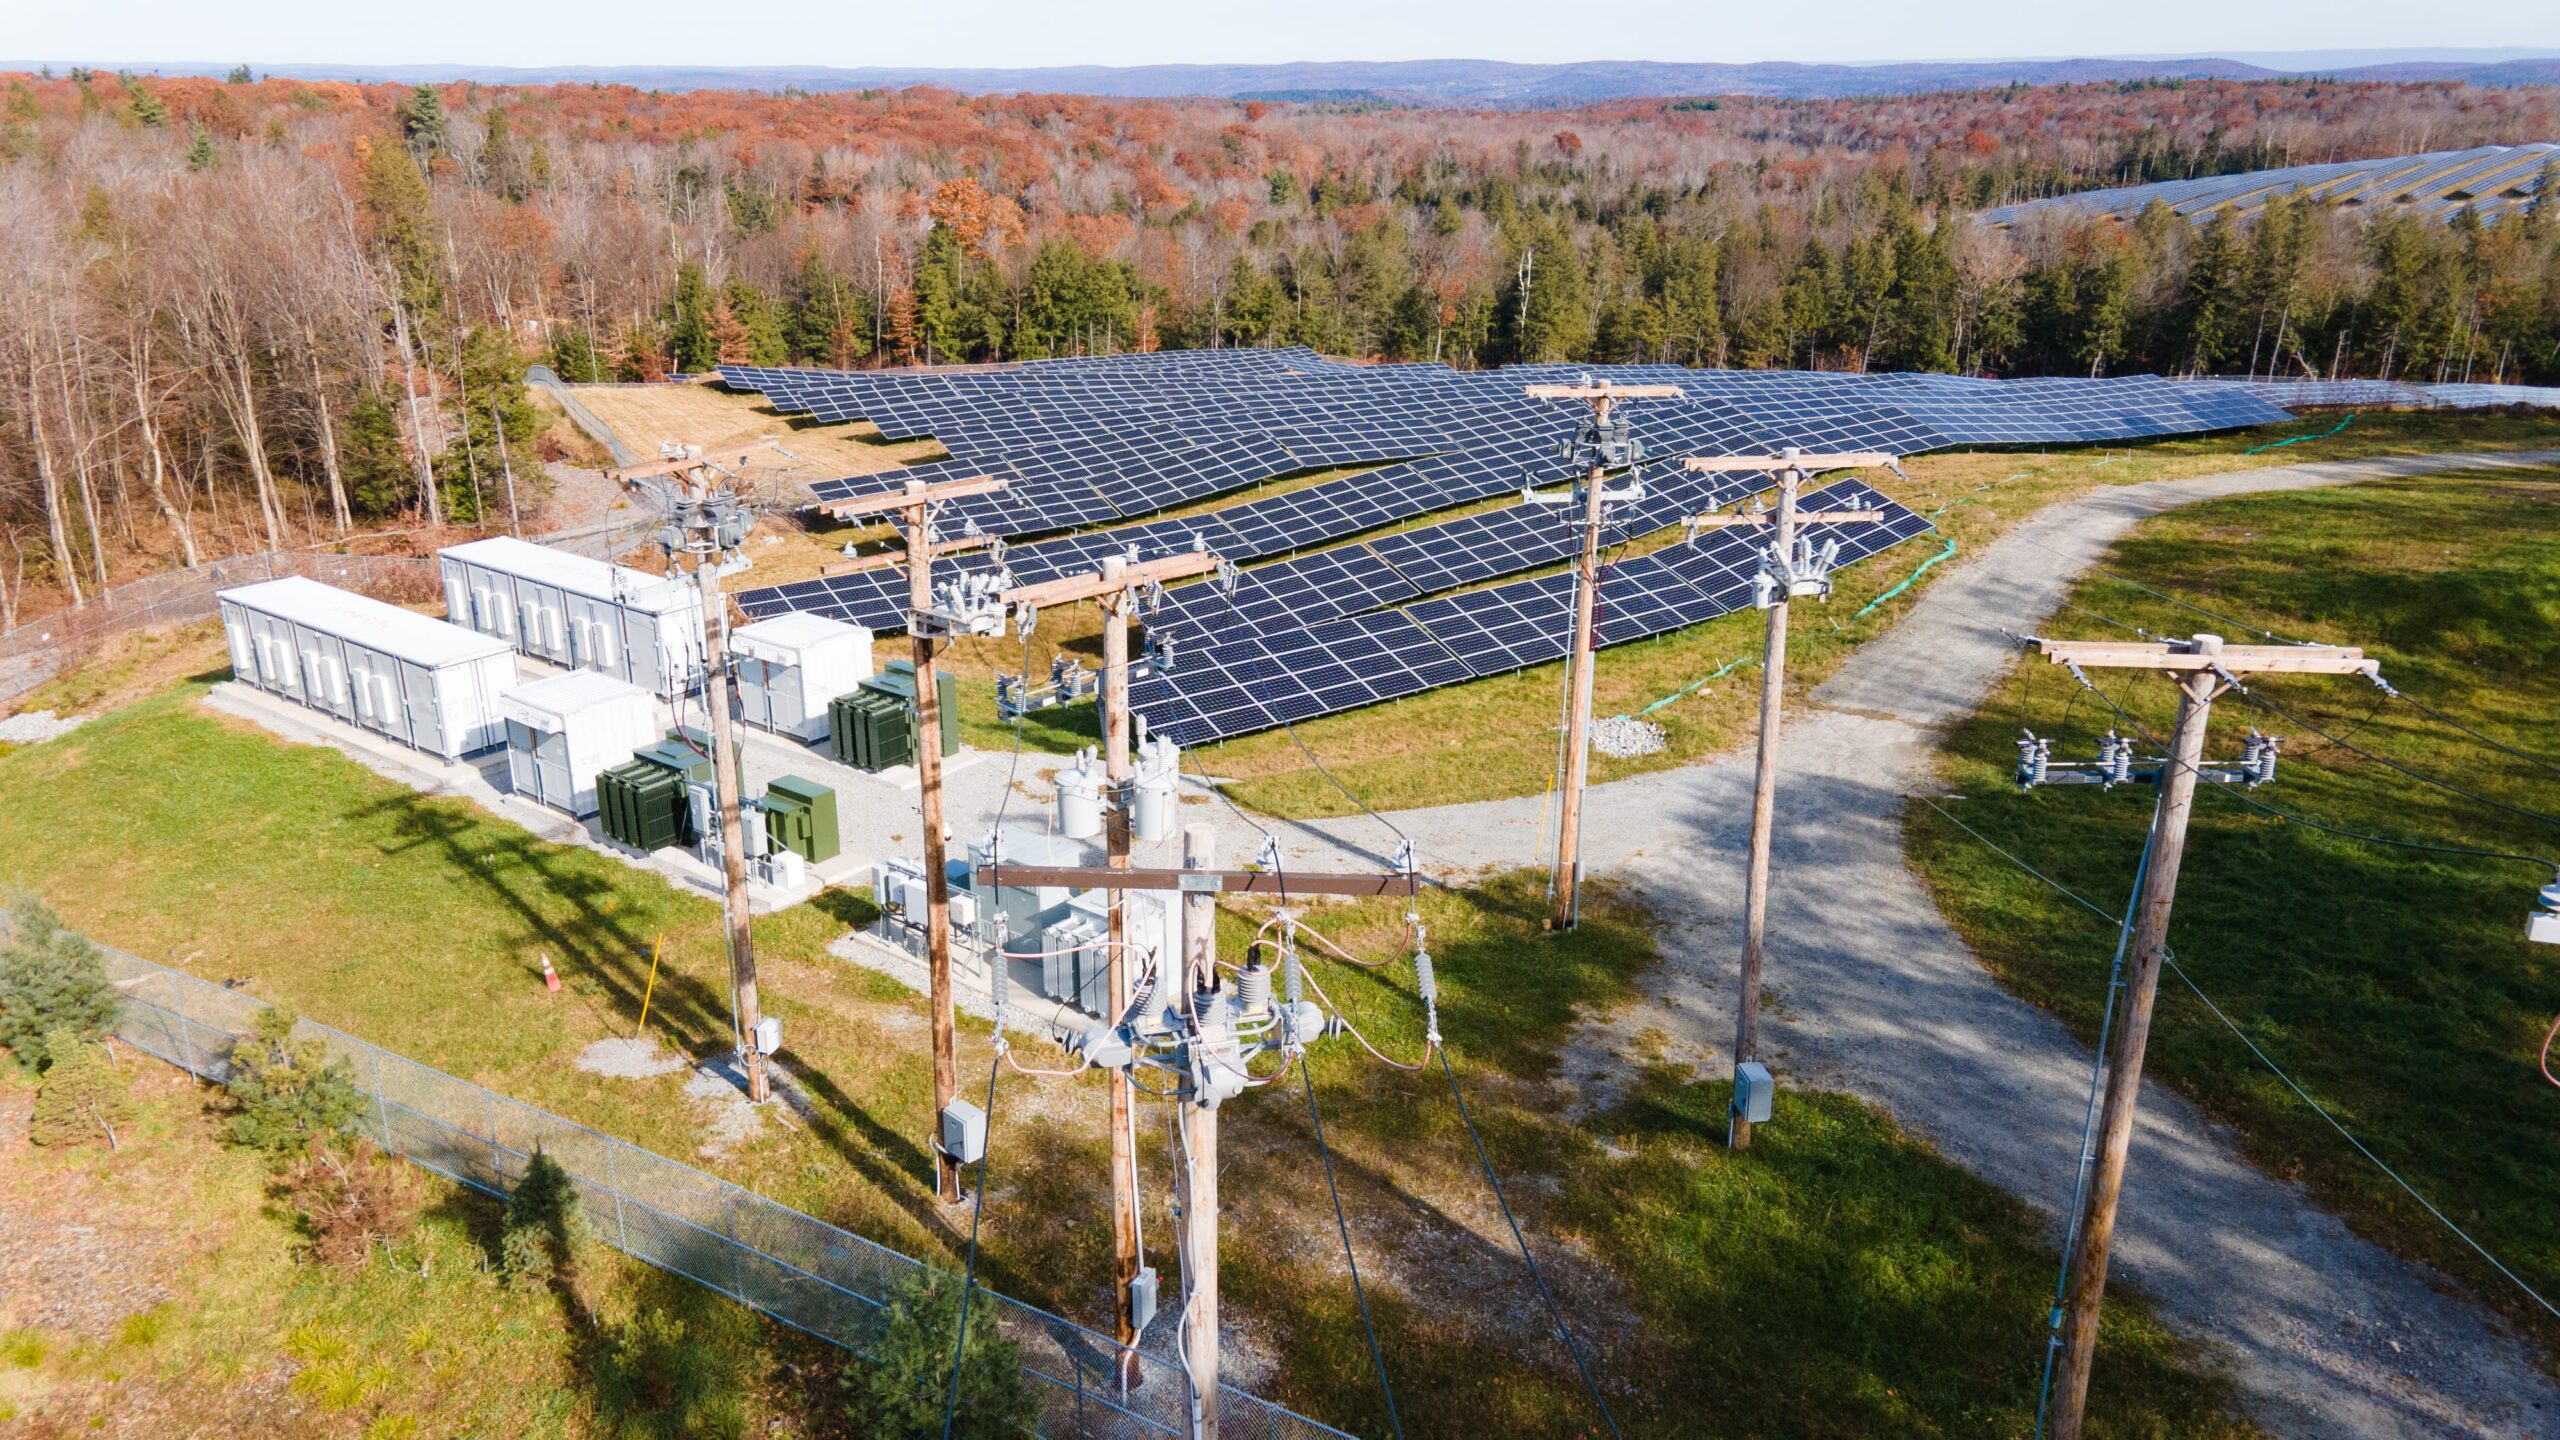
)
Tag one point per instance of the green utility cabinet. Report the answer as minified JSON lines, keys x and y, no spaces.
{"x":875,"y":727}
{"x":642,"y":803}
{"x":801,"y":815}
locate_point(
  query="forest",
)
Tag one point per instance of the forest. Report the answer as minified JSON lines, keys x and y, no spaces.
{"x":252,"y":314}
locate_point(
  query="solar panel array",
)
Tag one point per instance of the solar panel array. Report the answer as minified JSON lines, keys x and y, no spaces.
{"x":1087,"y":447}
{"x":2385,"y":394}
{"x":1252,"y":679}
{"x":2494,"y":180}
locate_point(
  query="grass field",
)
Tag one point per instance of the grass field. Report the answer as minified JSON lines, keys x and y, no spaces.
{"x":1842,"y":1280}
{"x":156,"y":1293}
{"x":2395,"y":984}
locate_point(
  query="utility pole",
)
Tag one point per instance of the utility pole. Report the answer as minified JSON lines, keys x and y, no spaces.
{"x":2202,"y":668}
{"x":1601,"y":444}
{"x":1199,"y":1134}
{"x":914,"y":508}
{"x":709,"y":525}
{"x":1202,"y":1042}
{"x":1116,"y":585}
{"x":1786,"y":571}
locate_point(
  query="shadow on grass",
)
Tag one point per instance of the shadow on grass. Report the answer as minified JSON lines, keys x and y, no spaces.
{"x":523,"y":872}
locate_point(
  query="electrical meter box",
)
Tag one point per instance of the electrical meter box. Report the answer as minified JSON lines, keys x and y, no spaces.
{"x":1752,"y":1088}
{"x":964,"y":1132}
{"x":769,"y":1035}
{"x":1142,"y":1298}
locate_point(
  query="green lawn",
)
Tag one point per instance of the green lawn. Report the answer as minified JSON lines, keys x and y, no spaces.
{"x":1842,"y":1280}
{"x":245,"y":1338}
{"x":2396,"y":985}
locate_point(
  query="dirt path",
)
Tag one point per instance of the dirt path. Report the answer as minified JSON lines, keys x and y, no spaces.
{"x":2325,"y":1334}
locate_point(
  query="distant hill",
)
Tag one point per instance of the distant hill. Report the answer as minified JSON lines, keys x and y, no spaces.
{"x":1467,"y":83}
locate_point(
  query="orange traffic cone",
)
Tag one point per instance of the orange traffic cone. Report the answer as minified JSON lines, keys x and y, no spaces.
{"x":550,"y":977}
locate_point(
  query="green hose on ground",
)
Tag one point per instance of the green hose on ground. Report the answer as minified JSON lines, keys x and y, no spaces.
{"x":2298,"y":439}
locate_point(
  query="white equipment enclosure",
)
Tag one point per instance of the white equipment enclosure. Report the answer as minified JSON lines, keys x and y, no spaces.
{"x":789,"y":668}
{"x":565,"y":730}
{"x":395,"y":672}
{"x":578,"y":612}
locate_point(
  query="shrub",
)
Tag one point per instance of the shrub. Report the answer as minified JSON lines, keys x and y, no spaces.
{"x":50,"y":979}
{"x":545,"y":1228}
{"x":898,"y":1388}
{"x":353,"y":1203}
{"x":288,"y":1092}
{"x":83,"y":1096}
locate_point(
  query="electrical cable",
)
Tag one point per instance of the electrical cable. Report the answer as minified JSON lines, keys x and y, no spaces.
{"x":969,"y":1274}
{"x":1342,"y":1225}
{"x":1554,"y":1312}
{"x":2089,"y":1121}
{"x":2256,"y":804}
{"x":2424,"y":709}
{"x":2189,"y":981}
{"x":2420,"y":776}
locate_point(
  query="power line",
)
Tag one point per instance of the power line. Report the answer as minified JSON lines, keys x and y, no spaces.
{"x":2415,"y":774}
{"x":1306,"y":1074}
{"x":2189,"y":981}
{"x":1553,"y":1311}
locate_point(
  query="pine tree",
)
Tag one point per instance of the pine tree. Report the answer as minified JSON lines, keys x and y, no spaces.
{"x":690,"y":338}
{"x":395,"y":205}
{"x":901,"y":1386}
{"x":201,"y":155}
{"x":50,"y":979}
{"x":287,"y":1092}
{"x":423,"y":124}
{"x":82,"y":1097}
{"x":373,"y":457}
{"x":149,"y":109}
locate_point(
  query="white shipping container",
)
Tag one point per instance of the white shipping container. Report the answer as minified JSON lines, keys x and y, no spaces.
{"x":564,"y":730}
{"x":575,"y":611}
{"x":392,"y":671}
{"x":789,"y":668}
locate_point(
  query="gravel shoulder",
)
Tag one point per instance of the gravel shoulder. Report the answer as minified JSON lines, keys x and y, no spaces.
{"x":2323,"y":1334}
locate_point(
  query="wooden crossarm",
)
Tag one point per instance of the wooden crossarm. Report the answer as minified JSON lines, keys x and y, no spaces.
{"x":1803,"y":517}
{"x":1094,"y":584}
{"x":888,"y":558}
{"x":1253,"y":882}
{"x":1849,"y":460}
{"x":1605,"y":391}
{"x":2186,"y":655}
{"x":915,"y":494}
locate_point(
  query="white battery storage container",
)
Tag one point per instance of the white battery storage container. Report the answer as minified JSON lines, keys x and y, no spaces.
{"x":789,"y":669}
{"x":576,"y":611}
{"x":564,"y":730}
{"x":416,"y":679}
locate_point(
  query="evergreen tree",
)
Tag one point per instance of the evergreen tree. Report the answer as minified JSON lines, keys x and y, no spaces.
{"x":826,"y":324}
{"x":488,"y":381}
{"x":83,"y":1096}
{"x":901,"y":1386}
{"x":1921,"y":305}
{"x":573,"y":356}
{"x":148,"y":109}
{"x":374,"y":457}
{"x":50,"y":980}
{"x":201,"y":155}
{"x":287,"y":1092}
{"x":691,"y":343}
{"x":423,"y":124}
{"x":395,"y":206}
{"x":2208,"y":309}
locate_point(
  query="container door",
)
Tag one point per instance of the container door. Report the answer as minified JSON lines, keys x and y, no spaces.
{"x":786,"y":692}
{"x":647,"y":653}
{"x":524,"y":775}
{"x":426,"y":725}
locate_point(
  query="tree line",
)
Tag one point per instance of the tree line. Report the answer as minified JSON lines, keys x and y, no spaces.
{"x":249,"y":314}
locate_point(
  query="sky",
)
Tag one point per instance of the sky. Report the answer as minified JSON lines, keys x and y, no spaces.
{"x":1022,"y":33}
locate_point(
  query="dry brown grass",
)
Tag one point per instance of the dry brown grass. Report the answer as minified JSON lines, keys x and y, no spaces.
{"x":647,"y":416}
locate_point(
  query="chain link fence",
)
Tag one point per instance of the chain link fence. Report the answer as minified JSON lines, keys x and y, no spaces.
{"x":794,"y":1267}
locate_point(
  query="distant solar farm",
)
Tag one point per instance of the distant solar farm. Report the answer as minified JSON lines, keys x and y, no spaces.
{"x":1326,"y":621}
{"x":2491,"y":181}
